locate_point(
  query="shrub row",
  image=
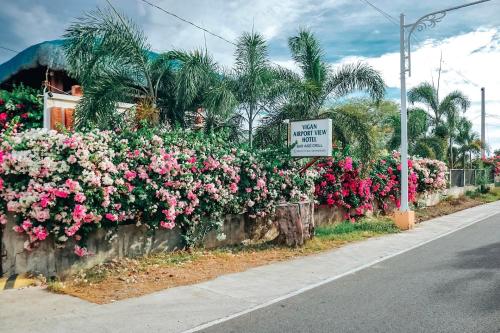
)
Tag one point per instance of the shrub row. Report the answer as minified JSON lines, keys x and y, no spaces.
{"x":341,"y":183}
{"x":68,"y":185}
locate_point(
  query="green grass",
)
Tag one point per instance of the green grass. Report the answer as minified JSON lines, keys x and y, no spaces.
{"x":372,"y":225}
{"x":490,"y":196}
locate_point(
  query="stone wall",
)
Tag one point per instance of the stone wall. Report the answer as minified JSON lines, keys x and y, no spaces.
{"x":293,"y":225}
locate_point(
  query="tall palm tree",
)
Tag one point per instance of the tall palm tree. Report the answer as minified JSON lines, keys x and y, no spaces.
{"x":445,"y":112}
{"x":254,"y":80}
{"x":468,"y":141}
{"x":317,"y":82}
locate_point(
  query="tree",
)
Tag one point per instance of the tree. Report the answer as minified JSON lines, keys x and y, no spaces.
{"x":254,"y":80}
{"x":468,"y":141}
{"x":420,"y":143}
{"x":112,"y":59}
{"x":317,"y":82}
{"x":449,"y":109}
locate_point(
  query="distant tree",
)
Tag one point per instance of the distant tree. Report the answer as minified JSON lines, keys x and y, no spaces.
{"x":467,"y":140}
{"x":444,"y":113}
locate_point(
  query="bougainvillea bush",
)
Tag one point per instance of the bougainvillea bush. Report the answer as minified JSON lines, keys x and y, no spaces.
{"x":431,"y":175}
{"x":386,"y":187}
{"x":494,"y":164}
{"x":340,"y":185}
{"x":69,"y":185}
{"x":21,"y":108}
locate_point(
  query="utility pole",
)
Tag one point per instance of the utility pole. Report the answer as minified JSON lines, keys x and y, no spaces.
{"x":483,"y":125}
{"x":405,"y":218}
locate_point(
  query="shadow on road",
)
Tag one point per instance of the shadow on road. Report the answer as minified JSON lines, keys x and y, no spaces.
{"x":475,"y":278}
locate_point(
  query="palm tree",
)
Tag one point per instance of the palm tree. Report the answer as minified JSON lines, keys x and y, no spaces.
{"x":112,"y":59}
{"x":317,"y":82}
{"x":254,"y":81}
{"x":449,"y":109}
{"x":468,"y":141}
{"x":420,"y":143}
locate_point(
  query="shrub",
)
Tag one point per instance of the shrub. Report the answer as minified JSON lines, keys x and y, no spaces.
{"x":21,"y":108}
{"x":69,"y":185}
{"x":339,"y":184}
{"x":431,"y":175}
{"x":386,"y":184}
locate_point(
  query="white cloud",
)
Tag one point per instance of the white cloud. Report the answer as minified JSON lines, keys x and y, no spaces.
{"x":470,"y":61}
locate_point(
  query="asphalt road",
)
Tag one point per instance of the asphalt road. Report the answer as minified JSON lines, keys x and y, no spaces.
{"x":449,"y":285}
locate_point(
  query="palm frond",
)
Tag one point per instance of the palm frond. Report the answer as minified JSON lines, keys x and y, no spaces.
{"x":353,"y":77}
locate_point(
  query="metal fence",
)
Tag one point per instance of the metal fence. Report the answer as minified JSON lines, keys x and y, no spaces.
{"x":469,"y":177}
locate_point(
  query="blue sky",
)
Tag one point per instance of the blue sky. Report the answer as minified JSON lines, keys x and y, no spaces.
{"x":350,"y":30}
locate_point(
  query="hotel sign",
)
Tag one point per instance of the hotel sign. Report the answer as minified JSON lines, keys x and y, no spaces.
{"x":311,"y":138}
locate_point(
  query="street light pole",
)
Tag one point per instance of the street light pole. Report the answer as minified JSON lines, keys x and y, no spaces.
{"x":404,"y":120}
{"x":427,"y":21}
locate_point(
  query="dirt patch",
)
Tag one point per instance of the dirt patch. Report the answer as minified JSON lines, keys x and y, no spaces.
{"x":125,"y":278}
{"x":446,"y":207}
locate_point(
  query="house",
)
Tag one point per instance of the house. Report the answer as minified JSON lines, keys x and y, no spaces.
{"x":35,"y":64}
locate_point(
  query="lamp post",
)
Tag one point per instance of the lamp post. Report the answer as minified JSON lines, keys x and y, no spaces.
{"x":406,"y":30}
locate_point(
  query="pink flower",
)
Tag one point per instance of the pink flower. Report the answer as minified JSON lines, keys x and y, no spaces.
{"x":261,"y":183}
{"x":40,"y":232}
{"x":26,"y":225}
{"x":169,"y":214}
{"x":167,"y":225}
{"x":3,"y":116}
{"x":80,"y":197}
{"x":81,"y":251}
{"x":130,"y":175}
{"x":79,"y":213}
{"x":111,"y":217}
{"x":348,"y":163}
{"x":3,"y":219}
{"x":71,"y":184}
{"x":60,"y":193}
{"x":210,"y":188}
{"x":73,"y":229}
{"x":248,"y":189}
{"x":233,"y":187}
{"x":18,"y":229}
{"x":44,"y":201}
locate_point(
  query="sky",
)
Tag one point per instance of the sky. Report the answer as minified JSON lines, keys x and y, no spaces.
{"x":349,"y":31}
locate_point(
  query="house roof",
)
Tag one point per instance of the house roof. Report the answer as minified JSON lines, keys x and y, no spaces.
{"x":48,"y":53}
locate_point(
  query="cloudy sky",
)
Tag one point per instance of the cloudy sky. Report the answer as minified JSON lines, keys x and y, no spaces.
{"x":350,"y":30}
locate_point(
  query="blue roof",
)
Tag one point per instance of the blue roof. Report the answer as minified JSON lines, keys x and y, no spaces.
{"x":48,"y":53}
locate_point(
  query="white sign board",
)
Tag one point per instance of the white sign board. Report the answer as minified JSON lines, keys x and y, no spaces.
{"x":312,"y":138}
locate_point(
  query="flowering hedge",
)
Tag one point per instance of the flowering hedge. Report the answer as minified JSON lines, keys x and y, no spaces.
{"x":386,"y":184}
{"x":339,"y":184}
{"x":494,"y":163}
{"x":69,"y":185}
{"x":431,"y":175}
{"x":22,"y":108}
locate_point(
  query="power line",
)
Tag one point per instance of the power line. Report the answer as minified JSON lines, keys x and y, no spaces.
{"x":188,"y":22}
{"x":385,"y":14}
{"x":8,"y":49}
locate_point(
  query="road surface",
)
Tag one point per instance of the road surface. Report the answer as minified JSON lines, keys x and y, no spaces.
{"x":451,"y":284}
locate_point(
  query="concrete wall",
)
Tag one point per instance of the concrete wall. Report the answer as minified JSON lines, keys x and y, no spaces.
{"x":132,"y":241}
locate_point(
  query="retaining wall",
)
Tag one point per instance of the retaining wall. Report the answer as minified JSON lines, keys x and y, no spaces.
{"x":293,"y":224}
